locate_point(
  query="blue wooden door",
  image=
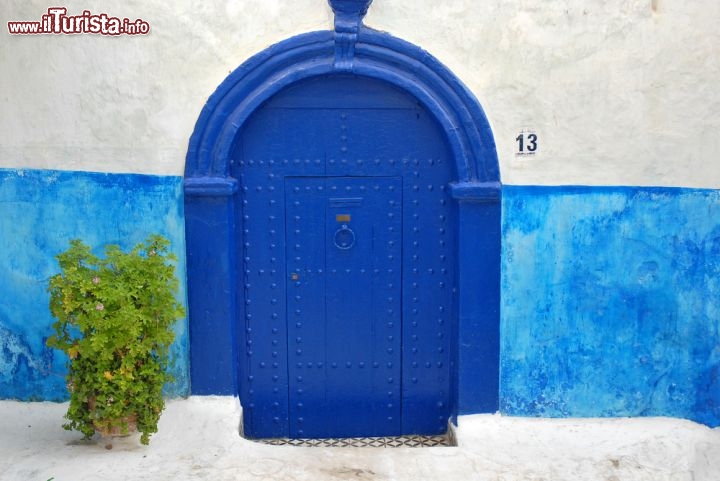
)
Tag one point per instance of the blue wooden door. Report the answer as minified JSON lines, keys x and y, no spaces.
{"x":343,"y":254}
{"x":348,"y":245}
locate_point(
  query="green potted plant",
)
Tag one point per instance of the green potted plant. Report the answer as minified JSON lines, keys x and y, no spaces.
{"x":114,"y":323}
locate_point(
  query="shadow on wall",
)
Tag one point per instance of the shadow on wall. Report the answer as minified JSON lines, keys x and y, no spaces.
{"x":40,"y":212}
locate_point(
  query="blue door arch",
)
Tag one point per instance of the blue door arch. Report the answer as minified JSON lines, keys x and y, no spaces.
{"x":342,"y":218}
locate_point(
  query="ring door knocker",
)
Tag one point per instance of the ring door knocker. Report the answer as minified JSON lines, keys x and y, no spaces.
{"x":344,"y":238}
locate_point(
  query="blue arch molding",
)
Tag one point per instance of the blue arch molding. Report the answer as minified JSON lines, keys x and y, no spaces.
{"x":216,"y":303}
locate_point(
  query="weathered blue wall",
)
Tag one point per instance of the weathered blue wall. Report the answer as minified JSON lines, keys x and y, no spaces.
{"x":40,"y":211}
{"x":611,"y":302}
{"x":610,"y":296}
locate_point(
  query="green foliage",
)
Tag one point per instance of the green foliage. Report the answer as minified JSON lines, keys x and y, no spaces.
{"x":114,"y":319}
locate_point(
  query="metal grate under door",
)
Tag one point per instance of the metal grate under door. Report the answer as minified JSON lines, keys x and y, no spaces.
{"x":412,"y":441}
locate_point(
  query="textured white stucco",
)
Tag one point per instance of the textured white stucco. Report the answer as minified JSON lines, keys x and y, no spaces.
{"x":128,"y":103}
{"x":619,"y":92}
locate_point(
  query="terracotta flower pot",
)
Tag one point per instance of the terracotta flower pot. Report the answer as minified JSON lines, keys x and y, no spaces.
{"x":114,"y":427}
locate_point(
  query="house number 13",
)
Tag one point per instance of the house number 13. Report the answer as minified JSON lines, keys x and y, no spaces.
{"x":527,"y":142}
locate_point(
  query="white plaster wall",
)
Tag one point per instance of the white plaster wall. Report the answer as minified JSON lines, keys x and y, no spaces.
{"x":128,"y":103}
{"x":619,"y":92}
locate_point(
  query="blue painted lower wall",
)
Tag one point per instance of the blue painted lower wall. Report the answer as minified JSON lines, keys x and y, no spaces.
{"x":40,"y":211}
{"x":611,"y":302}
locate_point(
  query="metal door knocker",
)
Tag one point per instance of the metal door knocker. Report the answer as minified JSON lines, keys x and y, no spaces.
{"x":344,"y":238}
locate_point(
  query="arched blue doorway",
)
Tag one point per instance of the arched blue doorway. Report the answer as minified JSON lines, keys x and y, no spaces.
{"x":342,"y":217}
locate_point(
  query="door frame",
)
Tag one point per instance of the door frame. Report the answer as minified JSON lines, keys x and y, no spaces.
{"x":215,"y":295}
